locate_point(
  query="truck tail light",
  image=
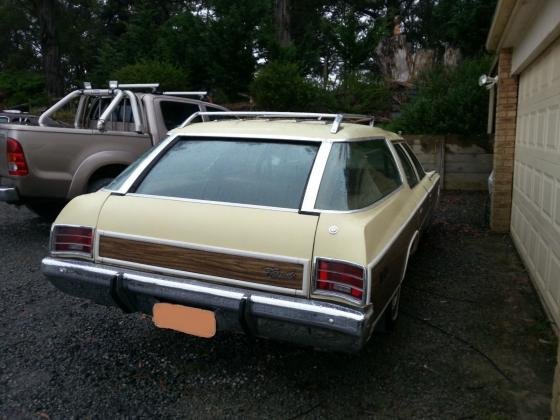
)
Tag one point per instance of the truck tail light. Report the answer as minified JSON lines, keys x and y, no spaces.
{"x":72,"y":239}
{"x":340,"y":278}
{"x":16,"y":158}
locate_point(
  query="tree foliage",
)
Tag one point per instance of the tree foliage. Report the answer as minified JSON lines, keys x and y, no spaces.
{"x":228,"y":47}
{"x":448,"y":101}
{"x":281,"y":86}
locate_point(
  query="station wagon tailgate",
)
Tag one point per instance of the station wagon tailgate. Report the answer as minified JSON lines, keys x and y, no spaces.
{"x":251,"y":247}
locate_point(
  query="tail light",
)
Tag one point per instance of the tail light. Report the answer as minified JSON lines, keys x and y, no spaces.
{"x":72,"y":240}
{"x":16,"y":158}
{"x":340,"y":278}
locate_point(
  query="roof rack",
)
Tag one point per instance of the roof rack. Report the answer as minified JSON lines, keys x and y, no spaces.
{"x":337,"y":118}
{"x":114,"y":84}
{"x":200,"y":94}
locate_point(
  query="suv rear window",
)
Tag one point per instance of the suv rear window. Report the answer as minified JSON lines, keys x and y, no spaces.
{"x":254,"y":172}
{"x":174,"y":113}
{"x":357,"y":175}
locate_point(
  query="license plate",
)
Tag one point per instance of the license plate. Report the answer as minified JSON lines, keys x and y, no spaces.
{"x":193,"y":321}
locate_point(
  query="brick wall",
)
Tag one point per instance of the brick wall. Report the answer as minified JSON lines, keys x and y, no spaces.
{"x":504,"y":144}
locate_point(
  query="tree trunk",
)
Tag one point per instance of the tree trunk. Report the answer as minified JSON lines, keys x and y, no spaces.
{"x":282,"y":22}
{"x":46,"y":12}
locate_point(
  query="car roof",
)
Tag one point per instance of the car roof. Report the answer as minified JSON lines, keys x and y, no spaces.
{"x":284,"y":129}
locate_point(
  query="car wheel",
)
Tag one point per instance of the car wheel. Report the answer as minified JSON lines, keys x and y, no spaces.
{"x":96,"y":185}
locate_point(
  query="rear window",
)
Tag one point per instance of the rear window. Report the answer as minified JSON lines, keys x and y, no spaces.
{"x":174,"y":113}
{"x":255,"y":172}
{"x":357,"y":175}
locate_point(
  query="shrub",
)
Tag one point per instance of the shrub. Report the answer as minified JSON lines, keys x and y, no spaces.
{"x":448,"y":101}
{"x":360,"y":95}
{"x":169,"y":76}
{"x":22,"y":87}
{"x":281,"y":87}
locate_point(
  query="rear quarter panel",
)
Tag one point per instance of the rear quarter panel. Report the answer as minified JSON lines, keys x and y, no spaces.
{"x":377,"y":238}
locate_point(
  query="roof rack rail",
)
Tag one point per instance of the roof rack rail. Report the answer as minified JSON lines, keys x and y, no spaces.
{"x":114,"y":84}
{"x":337,"y":118}
{"x":200,"y":94}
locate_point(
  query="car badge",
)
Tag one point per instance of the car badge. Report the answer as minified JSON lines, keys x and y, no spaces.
{"x":277,"y":274}
{"x":333,"y":230}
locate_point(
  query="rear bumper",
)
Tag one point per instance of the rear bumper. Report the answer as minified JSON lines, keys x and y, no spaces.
{"x":9,"y":195}
{"x":288,"y":318}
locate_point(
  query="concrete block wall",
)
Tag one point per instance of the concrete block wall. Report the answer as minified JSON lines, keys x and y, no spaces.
{"x":462,"y":164}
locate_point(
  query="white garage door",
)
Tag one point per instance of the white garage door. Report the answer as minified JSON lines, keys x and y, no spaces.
{"x":535,"y":222}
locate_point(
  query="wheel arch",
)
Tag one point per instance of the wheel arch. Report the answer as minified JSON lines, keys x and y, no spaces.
{"x":97,"y":166}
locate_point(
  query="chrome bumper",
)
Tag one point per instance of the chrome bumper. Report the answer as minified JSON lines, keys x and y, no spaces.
{"x":315,"y":323}
{"x":9,"y":195}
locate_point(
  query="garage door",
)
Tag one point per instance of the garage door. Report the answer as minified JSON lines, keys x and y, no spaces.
{"x":535,"y":222}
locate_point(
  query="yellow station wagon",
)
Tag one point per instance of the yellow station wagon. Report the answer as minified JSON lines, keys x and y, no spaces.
{"x":290,"y":226}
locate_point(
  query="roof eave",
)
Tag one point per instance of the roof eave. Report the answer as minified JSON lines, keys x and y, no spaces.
{"x":502,"y":15}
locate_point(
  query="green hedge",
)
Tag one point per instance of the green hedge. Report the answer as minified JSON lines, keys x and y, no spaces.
{"x":448,"y":101}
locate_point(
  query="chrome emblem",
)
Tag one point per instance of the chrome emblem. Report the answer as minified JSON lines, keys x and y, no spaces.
{"x":333,"y":230}
{"x":277,"y":274}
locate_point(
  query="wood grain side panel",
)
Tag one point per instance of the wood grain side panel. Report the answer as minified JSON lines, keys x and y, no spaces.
{"x":387,"y":273}
{"x":236,"y":267}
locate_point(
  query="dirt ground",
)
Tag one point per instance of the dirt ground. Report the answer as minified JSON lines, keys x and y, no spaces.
{"x":472,"y":342}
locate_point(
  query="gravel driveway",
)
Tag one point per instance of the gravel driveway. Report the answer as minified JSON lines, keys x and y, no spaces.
{"x":473,"y":342}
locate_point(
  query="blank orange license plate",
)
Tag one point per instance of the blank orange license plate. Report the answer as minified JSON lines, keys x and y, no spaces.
{"x":193,"y":321}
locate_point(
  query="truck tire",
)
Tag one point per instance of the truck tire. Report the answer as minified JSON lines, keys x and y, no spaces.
{"x":97,"y":184}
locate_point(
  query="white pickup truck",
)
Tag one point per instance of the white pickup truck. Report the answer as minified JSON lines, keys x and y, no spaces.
{"x":44,"y":165}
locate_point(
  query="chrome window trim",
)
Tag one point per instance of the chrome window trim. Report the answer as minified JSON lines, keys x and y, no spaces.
{"x":375,"y":203}
{"x":304,"y":291}
{"x":399,"y":144}
{"x":73,"y":254}
{"x":412,"y":161}
{"x":218,"y":135}
{"x":316,"y":176}
{"x":139,"y":171}
{"x":314,"y":292}
{"x":218,"y":203}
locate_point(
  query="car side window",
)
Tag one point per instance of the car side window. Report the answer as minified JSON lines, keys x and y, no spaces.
{"x":174,"y":112}
{"x":357,"y":175}
{"x":415,"y":161}
{"x":407,"y":165}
